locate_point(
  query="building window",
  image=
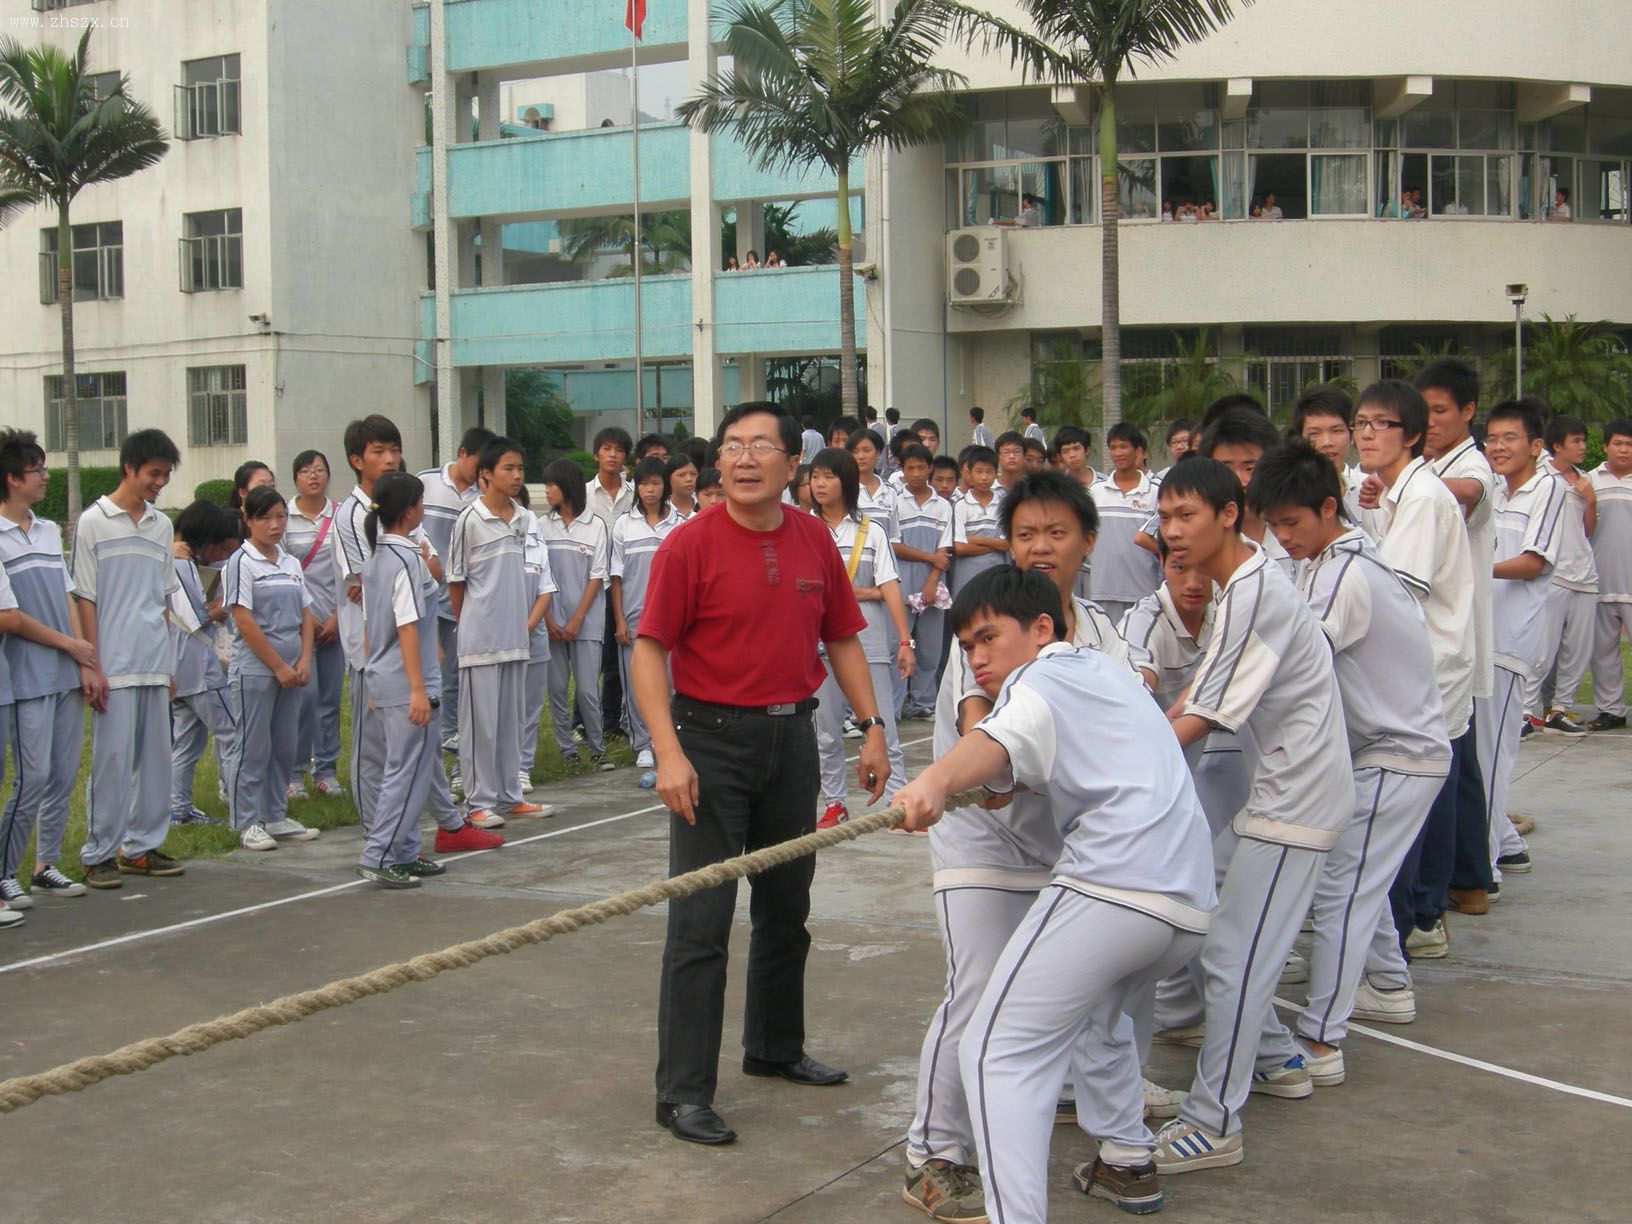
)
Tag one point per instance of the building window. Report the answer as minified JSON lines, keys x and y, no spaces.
{"x":100,"y":406}
{"x":207,"y":100}
{"x":217,"y":406}
{"x":98,"y":262}
{"x":103,"y":84}
{"x":1283,"y":362}
{"x":50,"y":6}
{"x":212,"y":250}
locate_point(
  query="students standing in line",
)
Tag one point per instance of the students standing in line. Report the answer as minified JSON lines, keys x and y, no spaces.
{"x":203,"y":705}
{"x":635,"y":539}
{"x":578,"y":560}
{"x":306,"y":539}
{"x":541,"y":586}
{"x":923,"y":547}
{"x":1612,"y":551}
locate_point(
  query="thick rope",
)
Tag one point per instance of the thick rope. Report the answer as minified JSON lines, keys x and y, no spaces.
{"x":196,"y":1038}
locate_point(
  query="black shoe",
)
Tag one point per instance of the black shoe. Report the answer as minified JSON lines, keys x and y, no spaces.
{"x":1607,"y":722}
{"x":1518,"y":863}
{"x":806,"y":1071}
{"x":694,"y":1123}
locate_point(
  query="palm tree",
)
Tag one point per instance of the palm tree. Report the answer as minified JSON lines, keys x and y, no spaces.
{"x":1581,"y":369}
{"x":1183,"y":385}
{"x":817,"y":82}
{"x":1094,"y":43}
{"x":58,"y":136}
{"x":665,"y":239}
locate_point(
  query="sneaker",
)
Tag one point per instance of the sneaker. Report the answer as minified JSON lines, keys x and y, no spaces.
{"x":1517,"y":864}
{"x":56,"y":884}
{"x":1289,"y":1081}
{"x":191,"y":816}
{"x":1136,"y":1190}
{"x":530,"y":811}
{"x":456,"y":784}
{"x":102,"y":875}
{"x":484,"y":819}
{"x":1562,"y":722}
{"x":152,"y":863}
{"x":1325,"y":1070}
{"x":524,"y":783}
{"x":1493,"y":894}
{"x":834,"y":814}
{"x":422,"y":867}
{"x":1384,"y":1006}
{"x":1307,"y":926}
{"x":1607,"y":722}
{"x":257,"y":838}
{"x":1190,"y":1035}
{"x":389,"y":877}
{"x":12,"y":896}
{"x":291,"y":830}
{"x":1522,"y":825}
{"x":1182,"y":1148}
{"x":467,"y":837}
{"x":329,"y":788}
{"x":851,"y":731}
{"x":295,"y":791}
{"x":602,"y":762}
{"x":645,"y":760}
{"x":450,"y":743}
{"x":1161,"y":1102}
{"x":10,"y":918}
{"x":945,"y":1191}
{"x":1295,"y":971}
{"x":1065,"y":1113}
{"x":1528,"y":727}
{"x":1428,"y":945}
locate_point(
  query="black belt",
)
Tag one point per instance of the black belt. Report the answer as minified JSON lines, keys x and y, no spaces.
{"x":781,"y":710}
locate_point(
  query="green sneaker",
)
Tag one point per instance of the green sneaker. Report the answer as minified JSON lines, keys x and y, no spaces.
{"x":153,"y":863}
{"x":103,"y":875}
{"x":389,"y":877}
{"x":422,"y":867}
{"x":945,"y":1191}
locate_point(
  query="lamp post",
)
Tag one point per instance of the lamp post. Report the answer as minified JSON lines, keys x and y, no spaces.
{"x":1516,"y":294}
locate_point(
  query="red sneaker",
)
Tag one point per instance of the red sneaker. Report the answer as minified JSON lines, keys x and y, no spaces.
{"x":468,"y":837}
{"x":835,"y":814}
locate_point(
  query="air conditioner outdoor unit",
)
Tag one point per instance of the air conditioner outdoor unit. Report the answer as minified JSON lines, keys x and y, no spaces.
{"x":977,"y":265}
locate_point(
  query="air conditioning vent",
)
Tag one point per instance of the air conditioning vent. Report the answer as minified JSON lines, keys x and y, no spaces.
{"x":978,"y":265}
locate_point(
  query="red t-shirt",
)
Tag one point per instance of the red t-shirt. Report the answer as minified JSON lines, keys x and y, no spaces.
{"x":741,"y":612}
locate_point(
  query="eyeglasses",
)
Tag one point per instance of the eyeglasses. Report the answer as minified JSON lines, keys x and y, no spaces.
{"x":1372,"y":425}
{"x":761,"y":449}
{"x":41,"y":470}
{"x":307,"y":473}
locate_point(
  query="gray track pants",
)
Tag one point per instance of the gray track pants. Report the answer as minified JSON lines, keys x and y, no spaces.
{"x":492,"y":702}
{"x":193,"y":720}
{"x":268,"y":726}
{"x":127,"y":802}
{"x":535,"y":695}
{"x":319,"y":741}
{"x":47,"y":734}
{"x":830,"y":733}
{"x":580,"y":664}
{"x":412,"y":754}
{"x":1608,"y":680}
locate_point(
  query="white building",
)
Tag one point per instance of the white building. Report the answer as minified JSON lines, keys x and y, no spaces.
{"x":256,"y":289}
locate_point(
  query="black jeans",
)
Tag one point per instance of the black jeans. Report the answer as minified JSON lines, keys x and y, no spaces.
{"x":611,"y":678}
{"x":1453,"y":848}
{"x":757,"y":780}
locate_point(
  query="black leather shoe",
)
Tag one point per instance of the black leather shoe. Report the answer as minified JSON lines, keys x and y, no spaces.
{"x":694,"y":1123}
{"x":806,"y":1071}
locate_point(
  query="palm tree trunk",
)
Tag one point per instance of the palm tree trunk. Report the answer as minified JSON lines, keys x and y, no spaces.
{"x":70,"y":402}
{"x":1110,"y":272}
{"x":848,"y":399}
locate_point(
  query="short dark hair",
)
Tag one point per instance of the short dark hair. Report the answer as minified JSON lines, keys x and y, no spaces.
{"x":1404,"y":401}
{"x":1239,"y":426}
{"x":613,"y":434}
{"x":1450,"y":374}
{"x":1620,"y":427}
{"x":1007,"y":590}
{"x":679,"y":459}
{"x":1050,"y":486}
{"x":893,"y":415}
{"x":849,"y":424}
{"x":476,"y":437}
{"x":1324,"y":399}
{"x":1563,"y":191}
{"x":370,"y":429}
{"x":1034,"y":444}
{"x":394,"y":495}
{"x":943,"y":463}
{"x":261,"y":501}
{"x":864,"y":435}
{"x":1009,"y":437}
{"x":565,"y":475}
{"x":843,"y":465}
{"x":1068,"y":434}
{"x":240,"y":481}
{"x":147,"y":446}
{"x":925,"y":423}
{"x":1209,"y":480}
{"x":495,"y":449}
{"x":787,"y":427}
{"x":916,"y":450}
{"x":1518,"y":410}
{"x":1225,"y":403}
{"x":1127,"y":431}
{"x":869,"y":413}
{"x":1294,"y":474}
{"x":205,"y":523}
{"x":304,"y":460}
{"x":1183,"y":425}
{"x":648,"y":442}
{"x":19,"y":450}
{"x":707,"y":478}
{"x":652,"y":468}
{"x":978,"y":454}
{"x":1562,"y":428}
{"x":1028,"y":413}
{"x":1544,"y":408}
{"x":977,"y":415}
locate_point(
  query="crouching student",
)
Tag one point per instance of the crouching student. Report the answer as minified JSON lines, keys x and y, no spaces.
{"x":635,"y":537}
{"x":1398,"y":740}
{"x":1129,"y":899}
{"x":203,"y":706}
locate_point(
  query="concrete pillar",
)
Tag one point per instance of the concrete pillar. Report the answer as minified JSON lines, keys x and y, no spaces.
{"x":750,"y":229}
{"x":444,"y":120}
{"x":750,"y":377}
{"x":1366,"y":346}
{"x":494,"y":409}
{"x":706,"y":259}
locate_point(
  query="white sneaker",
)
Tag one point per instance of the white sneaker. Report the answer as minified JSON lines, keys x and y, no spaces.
{"x":294,"y":791}
{"x":53,"y":883}
{"x":13,"y":896}
{"x":1384,"y":1006}
{"x":329,"y":788}
{"x":257,"y":838}
{"x":1428,"y":945}
{"x":485,"y":820}
{"x":524,"y":783}
{"x":456,"y":784}
{"x":9,"y":917}
{"x":644,"y":759}
{"x":1325,"y":1070}
{"x":1161,"y":1102}
{"x":1182,"y":1148}
{"x":1290,"y":1081}
{"x":1296,"y":970}
{"x":291,"y":830}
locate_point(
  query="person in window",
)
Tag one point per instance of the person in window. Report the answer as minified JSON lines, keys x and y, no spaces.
{"x":1167,"y":210}
{"x":773,"y":260}
{"x":1257,"y":213}
{"x":1189,"y":213}
{"x":731,"y":263}
{"x":1272,"y":210}
{"x":1416,"y":210}
{"x":1561,"y":206}
{"x":751,"y":264}
{"x":1208,"y":212}
{"x":1031,"y":215}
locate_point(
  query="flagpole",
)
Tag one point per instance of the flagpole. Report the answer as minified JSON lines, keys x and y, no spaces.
{"x":634,"y":92}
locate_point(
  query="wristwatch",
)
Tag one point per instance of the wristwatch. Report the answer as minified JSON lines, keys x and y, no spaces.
{"x":862,"y":724}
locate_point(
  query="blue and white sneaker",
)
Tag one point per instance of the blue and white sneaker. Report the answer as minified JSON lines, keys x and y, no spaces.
{"x":1183,"y":1148}
{"x":191,"y":816}
{"x":1290,"y":1080}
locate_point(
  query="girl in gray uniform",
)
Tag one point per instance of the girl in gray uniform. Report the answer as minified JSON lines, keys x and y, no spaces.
{"x":865,"y":550}
{"x":535,"y":557}
{"x":306,"y":539}
{"x":271,"y":663}
{"x":635,"y":537}
{"x":578,"y":559}
{"x":206,"y":534}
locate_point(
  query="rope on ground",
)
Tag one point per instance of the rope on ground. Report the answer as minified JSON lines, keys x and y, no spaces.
{"x":196,"y":1038}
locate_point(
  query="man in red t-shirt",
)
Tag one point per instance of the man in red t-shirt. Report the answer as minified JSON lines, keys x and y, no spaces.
{"x":738,"y":600}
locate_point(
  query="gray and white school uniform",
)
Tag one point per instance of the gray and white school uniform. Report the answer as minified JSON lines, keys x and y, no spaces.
{"x":1124,"y":573}
{"x":318,"y":744}
{"x":1612,"y":553}
{"x":273,"y":592}
{"x":1401,"y":753}
{"x":1572,"y":611}
{"x":8,"y":601}
{"x":1529,"y":520}
{"x":46,"y":721}
{"x":875,"y":567}
{"x":1269,"y":669}
{"x":204,"y":704}
{"x":634,"y":544}
{"x":928,"y":528}
{"x":1156,"y":633}
{"x":443,"y":505}
{"x":536,"y":692}
{"x":578,"y":556}
{"x":1466,"y":461}
{"x":1129,"y":900}
{"x":398,"y":591}
{"x":970,"y":518}
{"x":124,"y":568}
{"x":487,"y":555}
{"x":880,"y":506}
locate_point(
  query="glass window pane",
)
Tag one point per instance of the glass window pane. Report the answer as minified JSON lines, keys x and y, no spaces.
{"x":1499,"y":186}
{"x":1610,"y":134}
{"x":989,"y":194}
{"x":1135,"y":131}
{"x":1277,"y":185}
{"x":1084,"y":191}
{"x":1278,"y":128}
{"x":1387,"y":133}
{"x":1602,"y":194}
{"x":1441,"y":184}
{"x":1428,"y":129}
{"x":1568,"y":132}
{"x":1190,"y":183}
{"x":1340,"y":93}
{"x":1186,"y":131}
{"x":1347,"y":128}
{"x":85,"y":278}
{"x":1136,"y":188}
{"x":1235,"y":134}
{"x":1338,"y":185}
{"x":1232,"y":192}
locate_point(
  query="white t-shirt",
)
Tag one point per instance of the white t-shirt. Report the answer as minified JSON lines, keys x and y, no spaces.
{"x":1466,"y":461}
{"x":1528,"y":520}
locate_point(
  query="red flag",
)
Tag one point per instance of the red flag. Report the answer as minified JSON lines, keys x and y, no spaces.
{"x":635,"y":16}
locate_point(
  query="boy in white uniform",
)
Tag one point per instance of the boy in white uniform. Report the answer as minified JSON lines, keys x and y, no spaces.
{"x":1267,"y":668}
{"x":1572,"y":603}
{"x":977,"y":539}
{"x":1128,"y":902}
{"x":1124,"y":572}
{"x":1612,"y":550}
{"x":448,"y":490}
{"x":923,"y":544}
{"x":1397,"y":737}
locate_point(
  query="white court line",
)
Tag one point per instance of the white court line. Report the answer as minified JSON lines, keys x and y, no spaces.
{"x":1524,"y":1077}
{"x":260,"y":907}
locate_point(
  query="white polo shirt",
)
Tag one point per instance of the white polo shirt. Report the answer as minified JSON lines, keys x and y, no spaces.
{"x":488,"y":555}
{"x":1576,"y":570}
{"x":970,"y":518}
{"x":1154,"y":629}
{"x":273,"y":591}
{"x":1123,"y":571}
{"x":1466,"y":461}
{"x":444,"y":502}
{"x":1612,"y":541}
{"x":125,"y":569}
{"x":608,"y":507}
{"x":1528,"y":520}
